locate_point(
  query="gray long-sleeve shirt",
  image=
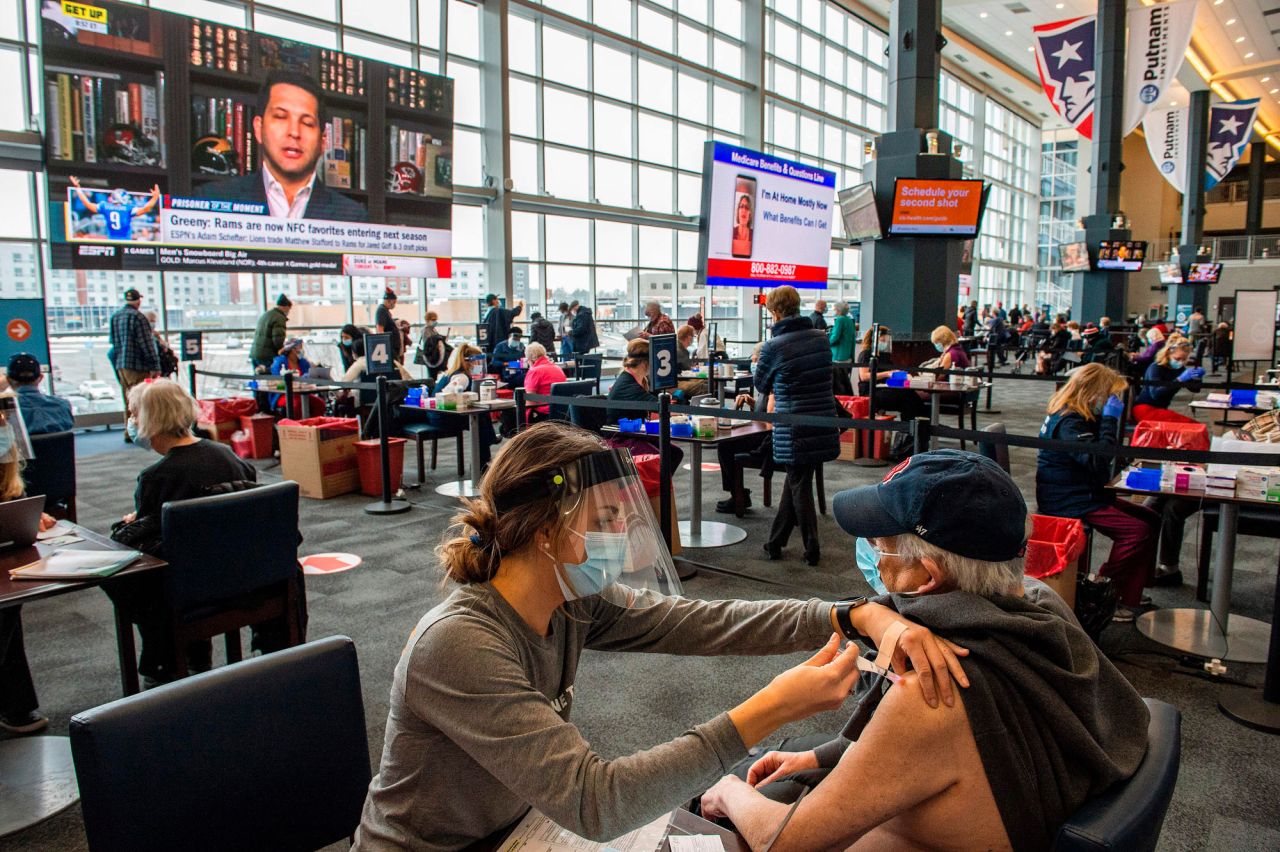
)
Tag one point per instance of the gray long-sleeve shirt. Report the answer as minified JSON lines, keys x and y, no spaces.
{"x":479,"y":725}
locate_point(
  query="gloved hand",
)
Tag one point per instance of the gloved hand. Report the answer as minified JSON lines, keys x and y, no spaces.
{"x":1114,"y":408}
{"x":1191,"y":374}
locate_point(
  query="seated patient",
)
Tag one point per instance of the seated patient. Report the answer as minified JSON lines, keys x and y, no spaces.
{"x":1046,"y":723}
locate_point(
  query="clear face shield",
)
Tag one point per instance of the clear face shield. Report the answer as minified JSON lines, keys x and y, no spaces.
{"x":611,"y":545}
{"x":15,"y":443}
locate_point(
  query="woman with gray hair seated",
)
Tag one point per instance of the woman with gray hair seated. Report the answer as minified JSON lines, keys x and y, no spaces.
{"x":163,"y":416}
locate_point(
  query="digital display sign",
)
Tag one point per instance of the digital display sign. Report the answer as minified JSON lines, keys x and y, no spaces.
{"x":923,"y":207}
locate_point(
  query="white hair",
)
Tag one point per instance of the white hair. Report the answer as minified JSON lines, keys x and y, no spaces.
{"x":976,"y":576}
{"x":842,"y":307}
{"x":534,"y":351}
{"x":162,"y":407}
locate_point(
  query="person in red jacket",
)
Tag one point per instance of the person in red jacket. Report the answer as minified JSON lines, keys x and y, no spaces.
{"x":542,"y":374}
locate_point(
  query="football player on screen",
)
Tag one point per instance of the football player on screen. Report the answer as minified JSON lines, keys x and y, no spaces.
{"x":118,"y":210}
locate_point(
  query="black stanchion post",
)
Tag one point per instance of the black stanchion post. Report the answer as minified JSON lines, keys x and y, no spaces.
{"x":664,"y":466}
{"x":991,"y":384}
{"x":920,"y":434}
{"x":288,"y":394}
{"x":1260,"y":712}
{"x":387,"y":505}
{"x":521,"y":413}
{"x":191,"y":379}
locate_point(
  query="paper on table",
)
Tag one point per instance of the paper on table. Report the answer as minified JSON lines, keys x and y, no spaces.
{"x":537,"y":833}
{"x":695,"y":843}
{"x":76,"y":565}
{"x":61,"y":528}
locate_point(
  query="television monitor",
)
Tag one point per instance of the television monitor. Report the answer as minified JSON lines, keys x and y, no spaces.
{"x":1125,"y":255}
{"x":1074,"y":257}
{"x":1204,"y":273}
{"x":1170,"y":273}
{"x":858,"y":209}
{"x":159,"y":157}
{"x":937,"y":207}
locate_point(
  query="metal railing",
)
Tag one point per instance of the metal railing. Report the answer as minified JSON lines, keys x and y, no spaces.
{"x":1249,"y":248}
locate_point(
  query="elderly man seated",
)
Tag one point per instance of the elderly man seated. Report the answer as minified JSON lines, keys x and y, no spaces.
{"x":1045,"y":723}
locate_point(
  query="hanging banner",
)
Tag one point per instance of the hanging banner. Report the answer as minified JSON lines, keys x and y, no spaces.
{"x":1230,"y":128}
{"x":1064,"y":58}
{"x":1158,"y":40}
{"x":1166,"y":132}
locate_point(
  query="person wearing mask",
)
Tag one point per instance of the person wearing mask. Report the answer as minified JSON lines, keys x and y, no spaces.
{"x":1171,"y":368}
{"x":292,"y":360}
{"x":686,"y":337}
{"x":358,"y":369}
{"x":1151,"y":347}
{"x":819,"y":315}
{"x":659,"y":323}
{"x":559,"y":553}
{"x":1104,"y":325}
{"x":566,"y":331}
{"x":41,"y":412}
{"x":951,"y":355}
{"x":164,"y":417}
{"x":1195,"y":322}
{"x":906,"y":402}
{"x":632,"y":386}
{"x":543,"y":373}
{"x":18,"y":700}
{"x":347,"y":338}
{"x":385,"y":323}
{"x":269,"y":334}
{"x":795,"y":367}
{"x":997,"y":336}
{"x":542,"y":331}
{"x":1221,"y":345}
{"x":1049,"y":358}
{"x":1087,"y":410}
{"x":842,"y":337}
{"x":458,"y":379}
{"x":1015,"y":315}
{"x":971,"y":319}
{"x":507,"y":352}
{"x":1046,"y":723}
{"x":497,"y":320}
{"x":433,"y":348}
{"x":583,"y":331}
{"x":133,"y":349}
{"x":1097,"y":344}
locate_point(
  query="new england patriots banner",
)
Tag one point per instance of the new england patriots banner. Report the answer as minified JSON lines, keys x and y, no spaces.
{"x":1064,"y":58}
{"x":1158,"y":40}
{"x":1230,"y":128}
{"x":1166,"y":132}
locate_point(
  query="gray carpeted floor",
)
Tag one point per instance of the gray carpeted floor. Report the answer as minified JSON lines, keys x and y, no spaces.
{"x":1225,"y":797}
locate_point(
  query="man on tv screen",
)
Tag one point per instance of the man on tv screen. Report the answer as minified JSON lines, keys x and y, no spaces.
{"x":289,"y":129}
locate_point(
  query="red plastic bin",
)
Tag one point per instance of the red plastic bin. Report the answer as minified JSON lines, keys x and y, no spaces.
{"x":261,"y":429}
{"x":369,"y":459}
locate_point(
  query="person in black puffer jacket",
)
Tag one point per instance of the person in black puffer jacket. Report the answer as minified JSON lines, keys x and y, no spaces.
{"x":795,"y":367}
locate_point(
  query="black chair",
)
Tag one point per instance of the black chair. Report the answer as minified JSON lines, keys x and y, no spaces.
{"x":423,"y":432}
{"x":577,"y":387}
{"x":961,"y":403}
{"x":233,"y":563}
{"x":1256,"y":522}
{"x":756,"y":461}
{"x":590,"y":365}
{"x":591,"y":419}
{"x":1130,"y":814}
{"x":52,"y":472}
{"x":268,"y":754}
{"x":998,"y":453}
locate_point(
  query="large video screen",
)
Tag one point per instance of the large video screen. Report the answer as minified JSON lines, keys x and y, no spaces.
{"x":1204,"y":273}
{"x":924,"y":207}
{"x":858,"y":209}
{"x":181,"y":144}
{"x":1074,"y":257}
{"x":1170,"y":273}
{"x":766,"y":221}
{"x":1126,"y":255}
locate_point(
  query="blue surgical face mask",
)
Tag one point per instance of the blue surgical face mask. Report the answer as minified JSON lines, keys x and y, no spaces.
{"x":1176,"y":364}
{"x":131,"y":429}
{"x":869,"y":564}
{"x":939,"y":347}
{"x":6,"y":439}
{"x":346,"y":343}
{"x":606,"y":557}
{"x":884,"y":345}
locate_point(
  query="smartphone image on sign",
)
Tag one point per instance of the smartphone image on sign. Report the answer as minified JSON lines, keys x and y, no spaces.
{"x":744,"y":215}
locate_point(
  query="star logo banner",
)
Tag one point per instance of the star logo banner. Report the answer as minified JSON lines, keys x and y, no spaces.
{"x":1230,"y":128}
{"x":1064,"y":58}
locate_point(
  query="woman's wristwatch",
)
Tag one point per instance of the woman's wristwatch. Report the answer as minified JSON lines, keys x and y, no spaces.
{"x":841,"y":612}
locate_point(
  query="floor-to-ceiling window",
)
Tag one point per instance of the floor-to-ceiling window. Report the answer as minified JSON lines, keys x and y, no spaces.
{"x":1004,"y":253}
{"x":1059,"y":164}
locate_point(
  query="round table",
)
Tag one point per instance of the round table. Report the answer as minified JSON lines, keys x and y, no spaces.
{"x":37,"y":781}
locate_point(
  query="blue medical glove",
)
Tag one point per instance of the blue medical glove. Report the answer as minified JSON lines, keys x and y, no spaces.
{"x":1114,"y":408}
{"x":1191,"y":374}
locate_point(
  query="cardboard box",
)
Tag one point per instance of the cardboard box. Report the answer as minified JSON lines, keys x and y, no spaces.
{"x":221,"y":432}
{"x":320,"y":455}
{"x":849,"y":445}
{"x":1064,"y":582}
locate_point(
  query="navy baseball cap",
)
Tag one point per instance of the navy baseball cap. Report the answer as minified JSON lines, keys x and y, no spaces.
{"x":24,"y":367}
{"x":132,"y":295}
{"x":959,"y":501}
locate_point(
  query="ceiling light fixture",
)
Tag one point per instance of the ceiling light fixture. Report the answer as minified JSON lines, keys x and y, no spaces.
{"x":1273,"y":91}
{"x":1008,"y":33}
{"x":1059,"y":6}
{"x":1250,"y":55}
{"x":1240,"y":39}
{"x":1265,"y":80}
{"x":1230,"y":21}
{"x":982,"y":14}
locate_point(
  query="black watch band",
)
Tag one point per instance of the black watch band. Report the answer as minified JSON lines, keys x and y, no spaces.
{"x":842,"y":611}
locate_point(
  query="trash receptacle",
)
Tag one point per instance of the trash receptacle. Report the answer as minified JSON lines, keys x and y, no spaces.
{"x":261,"y":429}
{"x":369,"y":458}
{"x":876,"y":443}
{"x":1053,"y":553}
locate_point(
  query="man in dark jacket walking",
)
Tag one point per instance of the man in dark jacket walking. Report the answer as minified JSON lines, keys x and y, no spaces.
{"x":133,"y":351}
{"x":583,"y":330}
{"x":542,"y":331}
{"x":795,"y":367}
{"x":269,"y":335}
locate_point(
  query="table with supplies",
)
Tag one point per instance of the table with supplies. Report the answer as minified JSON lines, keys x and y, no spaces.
{"x":38,"y":777}
{"x":469,"y":486}
{"x":1213,"y":633}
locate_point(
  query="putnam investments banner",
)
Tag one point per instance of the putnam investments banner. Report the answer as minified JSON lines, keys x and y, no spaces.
{"x":1230,"y":128}
{"x":1158,"y":40}
{"x":1166,"y":132}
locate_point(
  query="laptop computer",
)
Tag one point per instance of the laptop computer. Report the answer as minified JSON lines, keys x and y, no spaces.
{"x":320,"y":373}
{"x":20,"y":521}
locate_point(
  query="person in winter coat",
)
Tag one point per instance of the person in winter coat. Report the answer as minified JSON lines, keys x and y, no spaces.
{"x":541,"y":330}
{"x":1073,"y":485}
{"x":795,"y":366}
{"x":583,"y":330}
{"x":843,"y":338}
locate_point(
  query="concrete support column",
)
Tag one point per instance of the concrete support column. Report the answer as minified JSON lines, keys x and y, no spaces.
{"x":495,"y":97}
{"x":1253,"y":211}
{"x":1193,"y":205}
{"x":1102,"y":292}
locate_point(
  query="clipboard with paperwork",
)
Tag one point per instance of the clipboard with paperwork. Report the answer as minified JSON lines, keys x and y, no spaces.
{"x":75,"y":565}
